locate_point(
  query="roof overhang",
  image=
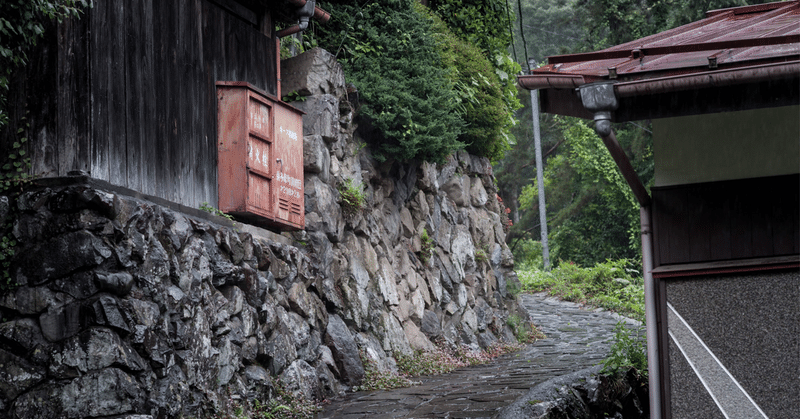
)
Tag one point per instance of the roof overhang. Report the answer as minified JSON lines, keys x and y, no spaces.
{"x":734,"y":59}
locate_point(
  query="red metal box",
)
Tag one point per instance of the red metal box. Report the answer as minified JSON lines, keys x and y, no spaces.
{"x":260,"y":150}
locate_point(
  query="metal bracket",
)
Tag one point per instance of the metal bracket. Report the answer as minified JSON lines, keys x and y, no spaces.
{"x":599,"y":99}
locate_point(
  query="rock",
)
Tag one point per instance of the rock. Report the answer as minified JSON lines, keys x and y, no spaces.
{"x":227,"y":361}
{"x":393,"y":336}
{"x":316,"y":158}
{"x":345,"y":352}
{"x":101,"y":393}
{"x":81,"y":285}
{"x":416,"y":339}
{"x":106,"y":312}
{"x":463,"y":253}
{"x":457,"y":189}
{"x":301,"y":301}
{"x":314,"y":72}
{"x":431,"y":325}
{"x":28,"y":300}
{"x":583,"y":394}
{"x":17,"y":375}
{"x":61,"y":322}
{"x":386,"y":283}
{"x":94,"y":349}
{"x":259,"y":383}
{"x":478,"y":195}
{"x":119,"y":283}
{"x":26,"y":334}
{"x":300,"y":379}
{"x":280,"y":351}
{"x":62,"y":256}
{"x":322,"y":116}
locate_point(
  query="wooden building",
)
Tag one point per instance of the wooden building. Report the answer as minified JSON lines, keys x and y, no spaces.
{"x":721,"y":225}
{"x":127,"y":93}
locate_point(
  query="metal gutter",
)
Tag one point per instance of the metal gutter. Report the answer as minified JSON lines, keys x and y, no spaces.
{"x":551,"y":81}
{"x":719,"y":78}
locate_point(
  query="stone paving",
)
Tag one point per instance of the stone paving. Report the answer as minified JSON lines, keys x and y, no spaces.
{"x":576,"y":339}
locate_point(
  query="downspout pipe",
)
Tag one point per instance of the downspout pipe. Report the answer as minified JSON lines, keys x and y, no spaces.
{"x":650,"y":317}
{"x":600,"y":99}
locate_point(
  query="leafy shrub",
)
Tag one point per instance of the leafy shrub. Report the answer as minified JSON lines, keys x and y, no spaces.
{"x":388,"y":54}
{"x":525,"y":332}
{"x":488,"y":119}
{"x":353,"y":197}
{"x":627,"y":350}
{"x":426,"y":252}
{"x":485,"y":24}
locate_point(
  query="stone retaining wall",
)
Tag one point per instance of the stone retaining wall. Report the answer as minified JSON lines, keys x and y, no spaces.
{"x":127,"y":307}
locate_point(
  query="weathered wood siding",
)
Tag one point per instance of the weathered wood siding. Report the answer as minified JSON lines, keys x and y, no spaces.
{"x":127,"y":93}
{"x":738,"y":219}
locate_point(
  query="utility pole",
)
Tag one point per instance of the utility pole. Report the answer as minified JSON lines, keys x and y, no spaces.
{"x":537,"y":139}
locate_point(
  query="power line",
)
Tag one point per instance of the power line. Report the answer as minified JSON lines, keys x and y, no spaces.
{"x":522,"y":33}
{"x":511,"y":31}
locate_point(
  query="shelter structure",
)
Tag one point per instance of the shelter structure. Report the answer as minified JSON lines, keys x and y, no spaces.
{"x":721,"y":224}
{"x":137,"y":94}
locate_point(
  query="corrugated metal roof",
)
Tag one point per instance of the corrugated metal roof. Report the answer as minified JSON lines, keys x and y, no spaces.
{"x":726,"y":39}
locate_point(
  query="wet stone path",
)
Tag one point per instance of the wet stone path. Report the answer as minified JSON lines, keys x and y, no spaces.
{"x":576,"y":339}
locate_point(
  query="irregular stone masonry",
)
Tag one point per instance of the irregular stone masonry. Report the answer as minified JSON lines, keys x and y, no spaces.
{"x":125,"y":306}
{"x":576,"y":339}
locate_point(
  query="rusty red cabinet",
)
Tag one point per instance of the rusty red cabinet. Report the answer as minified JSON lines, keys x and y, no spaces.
{"x":260,"y":148}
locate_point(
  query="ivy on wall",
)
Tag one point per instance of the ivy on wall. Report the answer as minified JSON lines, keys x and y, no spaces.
{"x":21,"y":26}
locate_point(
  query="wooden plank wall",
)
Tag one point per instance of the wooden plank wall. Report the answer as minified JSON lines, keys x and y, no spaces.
{"x":127,"y":93}
{"x":739,"y":219}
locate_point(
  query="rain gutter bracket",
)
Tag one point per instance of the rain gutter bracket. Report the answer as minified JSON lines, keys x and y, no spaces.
{"x":304,"y":14}
{"x":600,"y":99}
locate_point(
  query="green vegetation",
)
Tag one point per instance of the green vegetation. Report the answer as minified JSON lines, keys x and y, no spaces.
{"x":426,"y":252}
{"x":525,"y":332}
{"x":205,"y":206}
{"x":283,"y":405}
{"x":22,"y":24}
{"x":294,"y":96}
{"x":628,"y":350}
{"x":612,"y":285}
{"x":376,"y":378}
{"x":439,"y":361}
{"x":388,"y":54}
{"x":427,"y":86}
{"x":353,"y":197}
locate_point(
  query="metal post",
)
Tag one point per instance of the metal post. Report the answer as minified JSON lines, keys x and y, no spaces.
{"x":540,"y":177}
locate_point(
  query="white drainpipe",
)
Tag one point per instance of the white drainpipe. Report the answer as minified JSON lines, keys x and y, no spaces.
{"x":654,"y":373}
